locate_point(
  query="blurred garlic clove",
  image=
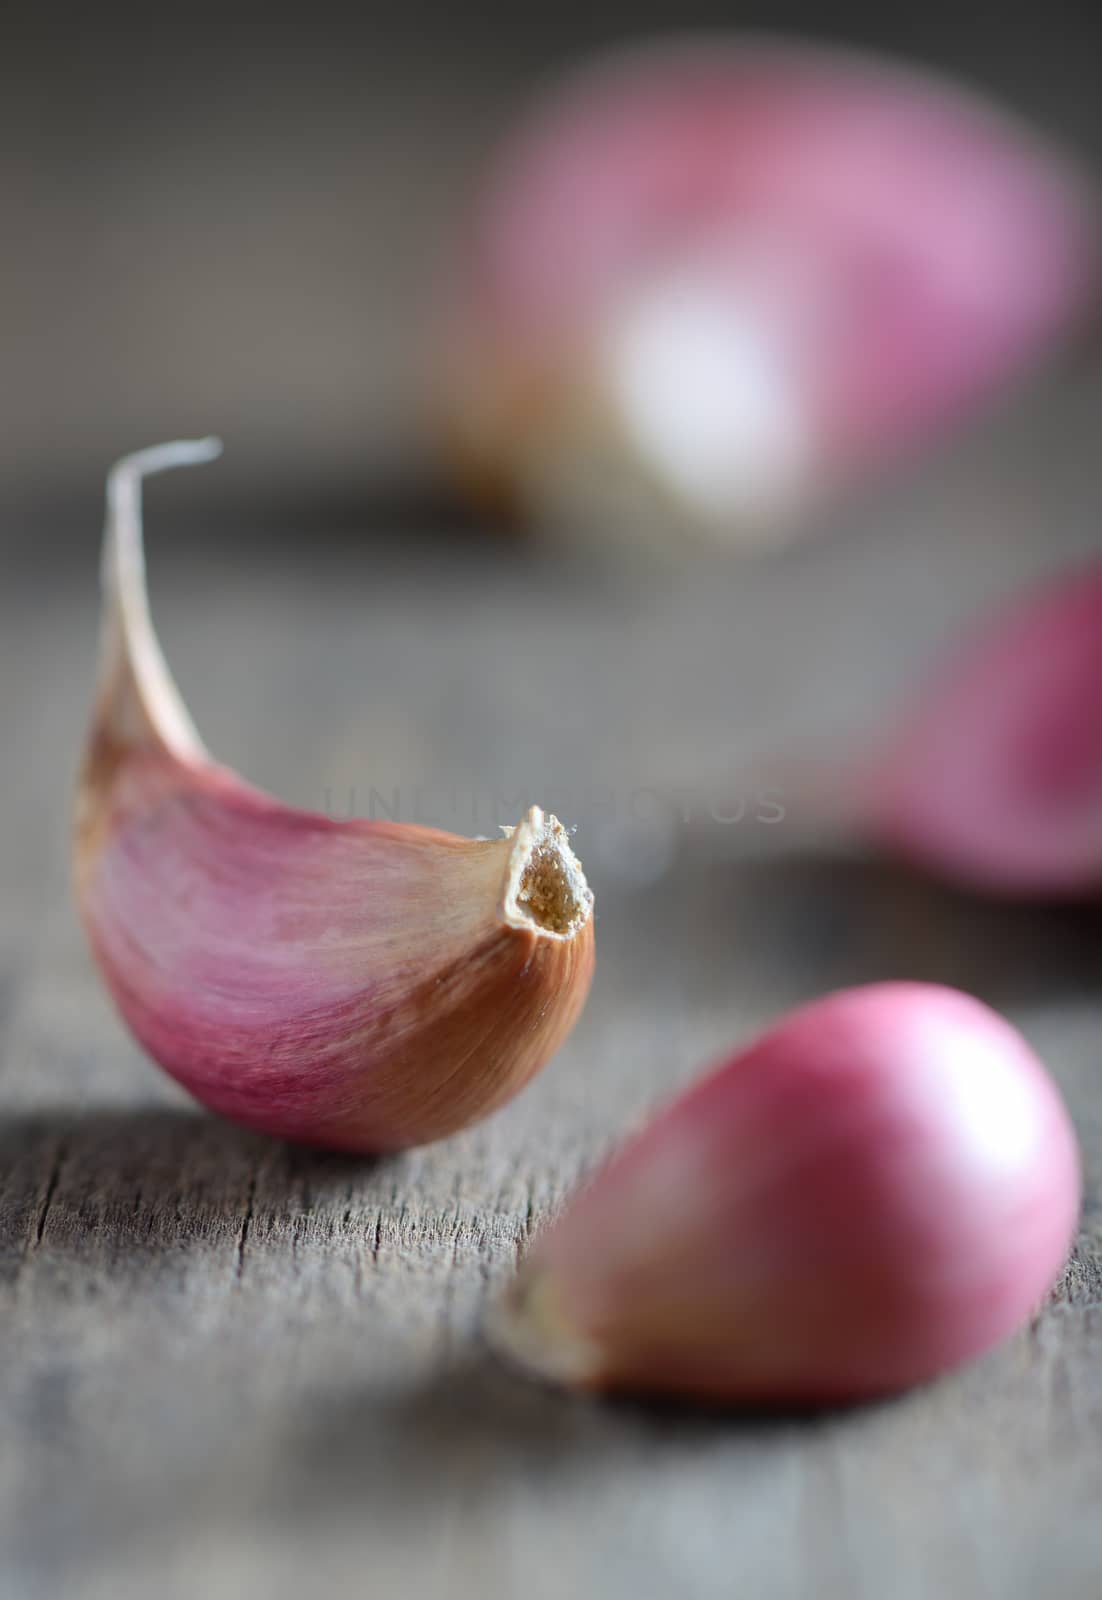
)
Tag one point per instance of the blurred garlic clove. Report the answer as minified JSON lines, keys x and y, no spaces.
{"x":994,"y":780}
{"x":363,"y":985}
{"x":711,"y":281}
{"x":881,"y":1187}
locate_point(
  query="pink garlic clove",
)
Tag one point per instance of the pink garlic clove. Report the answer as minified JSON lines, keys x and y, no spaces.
{"x":995,"y":779}
{"x":363,"y":985}
{"x":883,"y":1186}
{"x":709,"y":281}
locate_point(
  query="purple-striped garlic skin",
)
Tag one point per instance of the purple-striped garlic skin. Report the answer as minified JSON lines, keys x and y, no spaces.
{"x":361,"y":985}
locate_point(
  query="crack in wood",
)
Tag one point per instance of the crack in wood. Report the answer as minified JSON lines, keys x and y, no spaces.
{"x":527,"y":1226}
{"x":34,"y":1239}
{"x":246,"y":1223}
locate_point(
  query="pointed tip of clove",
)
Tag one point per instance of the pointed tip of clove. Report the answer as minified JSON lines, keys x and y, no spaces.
{"x":163,"y":457}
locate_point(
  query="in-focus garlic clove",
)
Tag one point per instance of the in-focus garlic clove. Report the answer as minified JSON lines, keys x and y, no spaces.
{"x":884,"y":1185}
{"x":364,"y":985}
{"x":709,"y":282}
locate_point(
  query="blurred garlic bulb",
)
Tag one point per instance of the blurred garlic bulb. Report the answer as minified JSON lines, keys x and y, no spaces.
{"x":364,"y":985}
{"x":710,"y":281}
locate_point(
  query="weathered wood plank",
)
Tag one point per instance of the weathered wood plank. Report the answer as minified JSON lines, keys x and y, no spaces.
{"x":230,"y":1367}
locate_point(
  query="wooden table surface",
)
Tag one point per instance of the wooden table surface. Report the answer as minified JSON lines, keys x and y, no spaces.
{"x":229,"y":1367}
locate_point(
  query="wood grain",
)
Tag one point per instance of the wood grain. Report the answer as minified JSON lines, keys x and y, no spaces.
{"x":229,"y":1367}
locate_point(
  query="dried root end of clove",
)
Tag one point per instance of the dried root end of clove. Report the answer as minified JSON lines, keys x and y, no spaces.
{"x":545,"y":888}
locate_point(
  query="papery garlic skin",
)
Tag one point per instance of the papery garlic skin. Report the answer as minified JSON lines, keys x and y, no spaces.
{"x":711,"y":281}
{"x":882,"y":1186}
{"x":362,"y":985}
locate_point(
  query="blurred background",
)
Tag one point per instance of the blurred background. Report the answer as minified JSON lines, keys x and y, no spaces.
{"x":231,"y":222}
{"x":244,"y":224}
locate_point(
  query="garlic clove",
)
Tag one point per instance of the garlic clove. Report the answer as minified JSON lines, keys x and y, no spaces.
{"x":710,"y":282}
{"x":364,"y":985}
{"x":994,"y":779}
{"x":882,"y":1186}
